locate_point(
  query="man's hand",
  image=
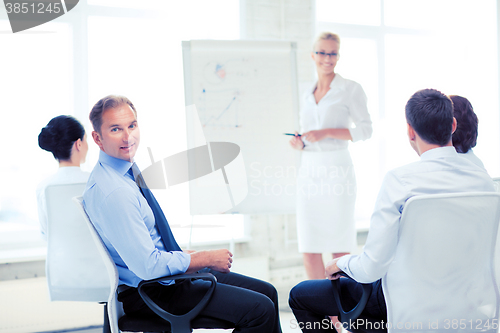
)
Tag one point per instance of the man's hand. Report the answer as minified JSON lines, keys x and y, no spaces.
{"x":332,"y":270}
{"x":220,"y":260}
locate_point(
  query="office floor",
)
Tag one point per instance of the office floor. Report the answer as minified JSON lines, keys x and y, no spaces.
{"x":25,"y":308}
{"x":286,"y":327}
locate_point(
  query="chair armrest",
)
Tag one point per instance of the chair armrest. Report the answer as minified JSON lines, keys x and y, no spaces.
{"x":353,"y":314}
{"x":179,"y":322}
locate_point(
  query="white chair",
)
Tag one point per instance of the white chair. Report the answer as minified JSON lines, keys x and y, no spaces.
{"x":442,"y":278}
{"x":496,"y":183}
{"x":74,"y":270}
{"x":119,"y":322}
{"x":109,"y":271}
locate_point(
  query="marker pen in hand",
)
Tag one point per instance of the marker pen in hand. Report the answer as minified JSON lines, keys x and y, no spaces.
{"x":297,"y":135}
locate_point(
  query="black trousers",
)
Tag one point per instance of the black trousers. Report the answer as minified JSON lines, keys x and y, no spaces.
{"x":250,"y":304}
{"x":312,"y":302}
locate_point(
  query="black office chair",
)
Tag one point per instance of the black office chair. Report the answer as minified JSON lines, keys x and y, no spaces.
{"x":170,"y":322}
{"x":117,"y":321}
{"x":348,"y":317}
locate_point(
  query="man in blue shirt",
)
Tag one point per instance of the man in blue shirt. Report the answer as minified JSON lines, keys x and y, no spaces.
{"x":126,"y":224}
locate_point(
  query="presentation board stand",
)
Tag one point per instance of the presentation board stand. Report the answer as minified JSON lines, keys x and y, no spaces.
{"x":246,"y":93}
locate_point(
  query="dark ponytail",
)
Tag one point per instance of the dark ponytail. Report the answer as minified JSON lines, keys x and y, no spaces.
{"x":465,"y":136}
{"x":59,"y":135}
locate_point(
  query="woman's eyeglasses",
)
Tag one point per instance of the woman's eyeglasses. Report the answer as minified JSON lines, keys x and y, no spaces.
{"x":324,"y":54}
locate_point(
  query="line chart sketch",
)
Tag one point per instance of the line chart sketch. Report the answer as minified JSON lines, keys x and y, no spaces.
{"x":221,"y":93}
{"x":220,"y":108}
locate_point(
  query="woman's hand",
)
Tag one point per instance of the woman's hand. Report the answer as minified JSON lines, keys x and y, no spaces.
{"x":296,"y":142}
{"x":332,"y":133}
{"x":316,"y":135}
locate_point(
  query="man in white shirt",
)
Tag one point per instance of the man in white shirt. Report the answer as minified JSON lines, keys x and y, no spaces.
{"x":429,"y":114}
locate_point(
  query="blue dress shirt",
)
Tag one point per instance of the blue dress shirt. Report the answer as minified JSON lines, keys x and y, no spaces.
{"x":126,"y":224}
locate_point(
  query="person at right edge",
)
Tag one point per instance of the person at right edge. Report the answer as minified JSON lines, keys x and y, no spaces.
{"x":430,"y":124}
{"x":326,"y":181}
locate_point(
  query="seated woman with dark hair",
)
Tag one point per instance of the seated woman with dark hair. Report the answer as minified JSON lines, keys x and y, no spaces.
{"x":65,"y":138}
{"x":465,"y":136}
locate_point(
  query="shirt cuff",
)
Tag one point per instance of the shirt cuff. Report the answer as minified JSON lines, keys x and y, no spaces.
{"x":182,"y":261}
{"x":343,"y":264}
{"x":356,"y":134}
{"x":179,"y":265}
{"x":186,"y":260}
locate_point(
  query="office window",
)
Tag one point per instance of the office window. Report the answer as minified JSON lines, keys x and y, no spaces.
{"x":143,"y":4}
{"x":148,"y":69}
{"x":364,"y":12}
{"x":36,"y":85}
{"x":100,"y":48}
{"x":359,"y":60}
{"x":442,"y":15}
{"x":448,"y":45}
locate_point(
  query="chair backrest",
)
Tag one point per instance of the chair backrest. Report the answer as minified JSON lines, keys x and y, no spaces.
{"x":115,"y":309}
{"x":496,"y":183}
{"x":74,"y":268}
{"x":443,"y":274}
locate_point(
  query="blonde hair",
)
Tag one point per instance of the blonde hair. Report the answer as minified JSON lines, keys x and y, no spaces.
{"x":326,"y":36}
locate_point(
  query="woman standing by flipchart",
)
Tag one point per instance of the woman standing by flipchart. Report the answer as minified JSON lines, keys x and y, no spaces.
{"x":334,"y":112}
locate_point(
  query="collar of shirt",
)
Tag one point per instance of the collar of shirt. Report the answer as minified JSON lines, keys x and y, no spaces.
{"x":448,"y":151}
{"x":68,"y":169}
{"x":121,"y":166}
{"x":337,"y":83}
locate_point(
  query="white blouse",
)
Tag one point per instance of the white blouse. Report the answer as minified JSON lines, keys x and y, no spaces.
{"x":473,"y":158}
{"x":342,"y":106}
{"x":64,"y":175}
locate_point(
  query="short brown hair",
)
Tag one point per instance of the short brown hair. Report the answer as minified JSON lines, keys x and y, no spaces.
{"x":108,"y":102}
